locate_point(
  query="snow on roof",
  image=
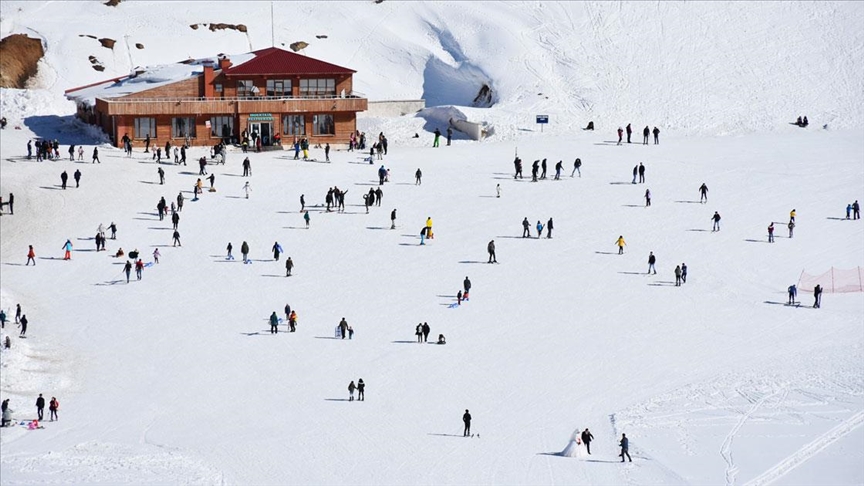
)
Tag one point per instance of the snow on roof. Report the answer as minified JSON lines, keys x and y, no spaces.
{"x":151,"y":77}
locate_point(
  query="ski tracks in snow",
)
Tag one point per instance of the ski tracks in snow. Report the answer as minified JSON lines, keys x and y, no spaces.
{"x":808,"y":451}
{"x":726,"y":447}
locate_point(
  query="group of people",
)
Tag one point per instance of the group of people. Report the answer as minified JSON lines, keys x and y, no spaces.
{"x":792,"y":291}
{"x":629,"y":129}
{"x":526,"y":228}
{"x":53,"y":407}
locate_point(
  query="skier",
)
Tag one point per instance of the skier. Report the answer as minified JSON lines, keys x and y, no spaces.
{"x":656,"y":133}
{"x":176,"y":237}
{"x":625,"y":445}
{"x":526,"y":231}
{"x":449,"y":135}
{"x":620,"y":242}
{"x":466,"y":419}
{"x":289,"y":265}
{"x":417,"y":177}
{"x":53,"y":406}
{"x":31,"y":256}
{"x":77,"y":177}
{"x":437,"y":138}
{"x":491,"y":249}
{"x":351,"y":389}
{"x":716,"y":219}
{"x":549,"y":228}
{"x":577,"y":167}
{"x":683,"y":273}
{"x":848,"y":210}
{"x":651,"y":261}
{"x":40,"y":406}
{"x":244,"y":250}
{"x":68,"y":248}
{"x":128,"y":269}
{"x":793,"y":292}
{"x":587,"y":437}
{"x":620,"y":135}
{"x":23,"y":325}
{"x":274,"y":322}
{"x":361,"y":390}
{"x":139,"y":267}
{"x":535,"y":167}
{"x":306,"y":218}
{"x":641,"y":173}
{"x":817,"y":295}
{"x":393,"y":219}
{"x":647,"y":197}
{"x":343,"y":327}
{"x":791,"y":227}
{"x":771,"y":232}
{"x":678,"y":276}
{"x":645,"y":132}
{"x":558,"y":167}
{"x":247,"y":189}
{"x":703,"y":193}
{"x":63,"y":178}
{"x":539,"y":229}
{"x":276,"y":251}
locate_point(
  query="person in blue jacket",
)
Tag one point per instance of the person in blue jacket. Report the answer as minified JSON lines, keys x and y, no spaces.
{"x":296,"y":150}
{"x":793,"y":292}
{"x":276,"y":251}
{"x":539,"y":229}
{"x":382,"y":174}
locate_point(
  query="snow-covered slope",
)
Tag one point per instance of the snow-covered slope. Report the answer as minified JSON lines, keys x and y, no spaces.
{"x":697,"y":67}
{"x":176,"y":379}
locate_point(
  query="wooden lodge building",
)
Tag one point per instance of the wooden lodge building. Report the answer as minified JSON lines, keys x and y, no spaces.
{"x":271,"y":93}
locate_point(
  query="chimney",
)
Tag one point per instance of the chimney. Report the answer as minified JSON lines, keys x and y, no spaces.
{"x":224,"y":63}
{"x":208,"y":80}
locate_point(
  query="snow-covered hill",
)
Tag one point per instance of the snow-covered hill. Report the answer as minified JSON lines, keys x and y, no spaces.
{"x":176,"y":379}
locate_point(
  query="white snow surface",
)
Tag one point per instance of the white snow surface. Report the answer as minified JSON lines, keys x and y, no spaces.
{"x":176,"y":379}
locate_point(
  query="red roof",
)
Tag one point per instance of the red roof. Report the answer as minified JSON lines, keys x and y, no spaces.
{"x":275,"y":61}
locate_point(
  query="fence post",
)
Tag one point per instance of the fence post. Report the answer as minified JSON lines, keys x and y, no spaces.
{"x":860,"y":285}
{"x":832,"y":280}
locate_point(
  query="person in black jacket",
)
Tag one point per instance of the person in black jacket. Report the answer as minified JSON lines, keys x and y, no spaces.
{"x":549,"y":228}
{"x":466,"y":284}
{"x":425,"y":330}
{"x":63,"y":178}
{"x":40,"y":406}
{"x":77,"y":177}
{"x":466,"y":419}
{"x":656,"y":132}
{"x":645,"y":132}
{"x":491,"y":249}
{"x":587,"y":437}
{"x":651,"y":261}
{"x":361,"y":390}
{"x":641,"y":173}
{"x":23,"y":325}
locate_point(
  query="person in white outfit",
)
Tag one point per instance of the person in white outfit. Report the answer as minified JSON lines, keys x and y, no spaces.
{"x":247,"y":189}
{"x":575,"y":448}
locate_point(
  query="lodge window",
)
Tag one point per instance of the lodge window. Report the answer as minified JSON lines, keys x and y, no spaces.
{"x":145,"y":127}
{"x":294,"y":125}
{"x":182,"y":127}
{"x":317,"y":87}
{"x":323,"y":125}
{"x":221,"y":126}
{"x":278,"y":87}
{"x":245,"y":88}
{"x":218,"y":87}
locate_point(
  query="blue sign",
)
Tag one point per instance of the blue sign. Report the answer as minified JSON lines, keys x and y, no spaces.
{"x":542,"y":118}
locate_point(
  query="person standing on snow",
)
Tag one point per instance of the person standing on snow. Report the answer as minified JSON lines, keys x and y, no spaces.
{"x":625,"y":446}
{"x":817,"y":295}
{"x":543,"y":168}
{"x":771,"y":232}
{"x":645,"y":132}
{"x":40,"y":406}
{"x":274,"y":322}
{"x":437,"y":138}
{"x":156,"y":255}
{"x":466,"y":284}
{"x":327,"y":152}
{"x":716,"y":219}
{"x":539,"y":229}
{"x":31,"y":256}
{"x":247,"y":189}
{"x":449,"y":135}
{"x":621,"y":244}
{"x":856,"y":208}
{"x":244,"y":250}
{"x":629,"y":130}
{"x":683,"y":273}
{"x":175,"y":219}
{"x":498,"y":190}
{"x":306,"y":219}
{"x":53,"y":406}
{"x":361,"y":390}
{"x":647,"y":197}
{"x":526,"y":228}
{"x":68,"y":249}
{"x":95,"y":155}
{"x":491,"y":249}
{"x":535,"y":168}
{"x":63,"y":178}
{"x":587,"y":437}
{"x":247,"y":167}
{"x":656,"y":133}
{"x":791,"y":227}
{"x":641,"y":173}
{"x":343,"y":327}
{"x":651,"y":261}
{"x":351,"y":388}
{"x":289,"y":265}
{"x":425,"y":330}
{"x":577,"y":167}
{"x":276,"y":250}
{"x":703,"y":193}
{"x":678,"y":276}
{"x":466,"y":419}
{"x":393,"y":219}
{"x":139,"y":267}
{"x":429,"y":228}
{"x":558,"y":167}
{"x":793,"y":292}
{"x":635,"y":173}
{"x":23,"y":325}
{"x":517,"y":163}
{"x":128,"y":269}
{"x":417,"y":177}
{"x":77,"y":177}
{"x":620,"y":135}
{"x":176,"y":237}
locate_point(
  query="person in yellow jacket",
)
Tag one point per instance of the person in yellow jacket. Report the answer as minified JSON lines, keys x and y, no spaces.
{"x":429,"y":228}
{"x":792,"y":216}
{"x":620,"y":244}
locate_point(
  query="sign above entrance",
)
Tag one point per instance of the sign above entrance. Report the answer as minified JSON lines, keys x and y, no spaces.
{"x":260,"y":117}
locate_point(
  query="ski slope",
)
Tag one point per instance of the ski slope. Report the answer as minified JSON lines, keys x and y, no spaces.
{"x":176,"y":378}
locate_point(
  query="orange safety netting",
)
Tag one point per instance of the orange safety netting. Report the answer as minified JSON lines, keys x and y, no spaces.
{"x":835,"y":280}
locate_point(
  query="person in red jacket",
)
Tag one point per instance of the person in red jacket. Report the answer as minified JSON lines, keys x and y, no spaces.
{"x":31,"y":256}
{"x":620,"y":135}
{"x":139,"y":267}
{"x":53,"y":406}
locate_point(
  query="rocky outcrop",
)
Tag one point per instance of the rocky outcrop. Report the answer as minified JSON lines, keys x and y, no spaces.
{"x":19,"y":59}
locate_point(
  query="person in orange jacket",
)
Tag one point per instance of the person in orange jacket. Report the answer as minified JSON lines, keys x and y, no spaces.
{"x":31,"y":256}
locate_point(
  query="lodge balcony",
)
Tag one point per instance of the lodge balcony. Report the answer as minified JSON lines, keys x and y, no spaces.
{"x":219,"y":106}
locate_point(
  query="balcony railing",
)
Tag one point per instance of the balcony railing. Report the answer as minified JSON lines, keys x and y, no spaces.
{"x":352,"y":95}
{"x":229,"y":105}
